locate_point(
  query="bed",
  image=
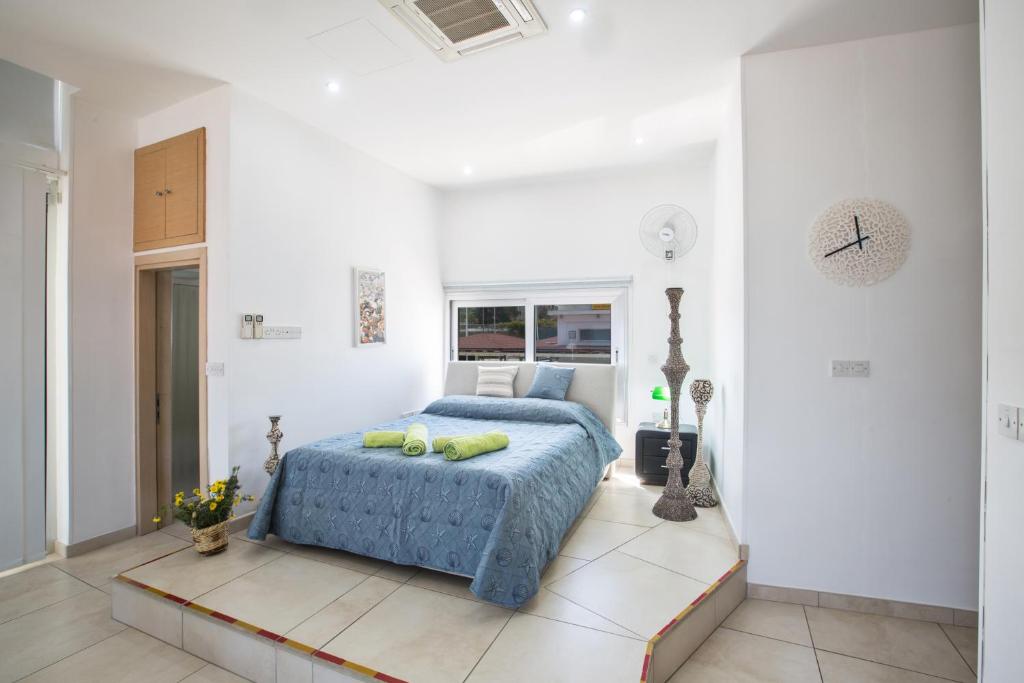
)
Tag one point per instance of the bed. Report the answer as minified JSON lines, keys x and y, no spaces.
{"x":498,"y":518}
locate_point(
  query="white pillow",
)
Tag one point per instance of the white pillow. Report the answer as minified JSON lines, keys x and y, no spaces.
{"x":495,"y":381}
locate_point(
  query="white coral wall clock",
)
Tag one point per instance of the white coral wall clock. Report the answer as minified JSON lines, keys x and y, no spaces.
{"x":859,"y":242}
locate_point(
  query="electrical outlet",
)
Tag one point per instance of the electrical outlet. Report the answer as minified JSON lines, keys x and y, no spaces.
{"x":282,"y":332}
{"x":851,"y":368}
{"x":214,"y":369}
{"x":1008,"y":420}
{"x":1020,"y":424}
{"x":410,"y":413}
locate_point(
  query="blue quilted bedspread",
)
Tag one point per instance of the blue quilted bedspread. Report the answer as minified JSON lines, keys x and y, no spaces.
{"x":498,"y":518}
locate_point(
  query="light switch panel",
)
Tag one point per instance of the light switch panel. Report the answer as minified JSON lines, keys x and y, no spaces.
{"x":282,"y":332}
{"x":1008,"y":420}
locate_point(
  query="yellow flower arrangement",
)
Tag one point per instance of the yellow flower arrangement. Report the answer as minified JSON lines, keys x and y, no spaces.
{"x":200,"y":512}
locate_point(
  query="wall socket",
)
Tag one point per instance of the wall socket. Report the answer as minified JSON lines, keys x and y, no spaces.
{"x":851,"y":368}
{"x":1009,"y":421}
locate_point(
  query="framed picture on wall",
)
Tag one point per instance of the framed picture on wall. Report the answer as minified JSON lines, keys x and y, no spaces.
{"x":370,"y":311}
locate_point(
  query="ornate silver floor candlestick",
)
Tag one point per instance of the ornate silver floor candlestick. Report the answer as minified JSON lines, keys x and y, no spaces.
{"x":274,"y":436}
{"x":674,"y":505}
{"x":699,"y":488}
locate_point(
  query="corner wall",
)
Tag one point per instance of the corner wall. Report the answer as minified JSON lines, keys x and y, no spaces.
{"x":101,"y":465}
{"x":587,"y":226}
{"x":865,"y":486}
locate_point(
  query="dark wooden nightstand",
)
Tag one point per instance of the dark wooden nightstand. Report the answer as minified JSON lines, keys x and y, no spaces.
{"x":652,"y":450}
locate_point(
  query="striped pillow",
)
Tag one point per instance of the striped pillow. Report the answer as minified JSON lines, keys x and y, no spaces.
{"x":495,"y":381}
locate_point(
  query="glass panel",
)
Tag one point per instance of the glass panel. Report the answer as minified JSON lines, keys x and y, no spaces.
{"x":492,"y":333}
{"x":573,"y":333}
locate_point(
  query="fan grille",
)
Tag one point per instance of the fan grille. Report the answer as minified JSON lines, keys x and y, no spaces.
{"x":461,"y":20}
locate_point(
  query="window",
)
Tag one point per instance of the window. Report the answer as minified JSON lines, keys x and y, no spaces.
{"x":542,"y":322}
{"x":491,"y":333}
{"x":573,"y":333}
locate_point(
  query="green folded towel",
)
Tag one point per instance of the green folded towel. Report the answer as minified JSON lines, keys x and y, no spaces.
{"x":463,"y":447}
{"x":440,"y":442}
{"x":383,"y":439}
{"x":416,"y":439}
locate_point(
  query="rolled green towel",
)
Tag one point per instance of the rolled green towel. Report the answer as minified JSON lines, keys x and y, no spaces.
{"x":463,"y":447}
{"x":416,"y":439}
{"x":440,"y":442}
{"x":383,"y":439}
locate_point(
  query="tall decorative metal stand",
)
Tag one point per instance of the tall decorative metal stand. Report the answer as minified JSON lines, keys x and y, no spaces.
{"x":274,"y":436}
{"x":699,"y":488}
{"x":674,"y":505}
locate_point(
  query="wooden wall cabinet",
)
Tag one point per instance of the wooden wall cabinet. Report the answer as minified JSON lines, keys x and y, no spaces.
{"x":170,"y":192}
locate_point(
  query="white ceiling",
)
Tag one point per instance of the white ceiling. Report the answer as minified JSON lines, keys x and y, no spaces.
{"x":576,"y":97}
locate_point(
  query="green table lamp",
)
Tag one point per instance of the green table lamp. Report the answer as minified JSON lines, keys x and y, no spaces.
{"x":662,"y":394}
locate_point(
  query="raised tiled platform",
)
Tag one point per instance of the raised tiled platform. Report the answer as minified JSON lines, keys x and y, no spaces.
{"x":274,"y":611}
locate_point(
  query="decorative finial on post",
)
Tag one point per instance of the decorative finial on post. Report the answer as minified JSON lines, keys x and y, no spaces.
{"x":674,"y":505}
{"x":274,"y":436}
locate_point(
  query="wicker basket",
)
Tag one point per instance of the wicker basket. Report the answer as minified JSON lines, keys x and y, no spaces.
{"x":212,"y":539}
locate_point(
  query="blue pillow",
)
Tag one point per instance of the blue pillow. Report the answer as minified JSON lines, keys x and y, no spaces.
{"x":551,"y":382}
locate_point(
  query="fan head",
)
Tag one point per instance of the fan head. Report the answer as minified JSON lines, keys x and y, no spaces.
{"x":668,"y":231}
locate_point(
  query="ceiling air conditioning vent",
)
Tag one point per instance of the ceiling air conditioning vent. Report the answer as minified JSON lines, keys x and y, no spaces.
{"x":456,"y":28}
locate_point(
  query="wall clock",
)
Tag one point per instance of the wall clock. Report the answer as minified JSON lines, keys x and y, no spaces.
{"x":859,"y":242}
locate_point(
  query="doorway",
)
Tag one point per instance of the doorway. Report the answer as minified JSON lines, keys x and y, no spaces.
{"x":171,"y":379}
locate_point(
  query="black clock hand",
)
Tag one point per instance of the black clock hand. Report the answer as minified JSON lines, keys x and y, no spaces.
{"x":859,"y":241}
{"x":856,"y":223}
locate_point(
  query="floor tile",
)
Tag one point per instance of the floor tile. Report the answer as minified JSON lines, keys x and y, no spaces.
{"x":99,"y":566}
{"x":397,"y":572}
{"x":130,"y":655}
{"x":625,"y":508}
{"x":966,"y":642}
{"x":916,"y":645}
{"x":211,"y":673}
{"x":340,"y":558}
{"x":777,"y":620}
{"x":557,"y":652}
{"x":675,"y":546}
{"x":712,"y":521}
{"x":444,"y":583}
{"x":734,"y":657}
{"x":629,"y":592}
{"x":559,"y":567}
{"x":45,"y":636}
{"x":553,"y":606}
{"x":593,"y":538}
{"x":340,"y":614}
{"x":282,"y":593}
{"x":178,"y":530}
{"x":841,"y":669}
{"x":34,"y":588}
{"x":422,"y":636}
{"x":188,"y":574}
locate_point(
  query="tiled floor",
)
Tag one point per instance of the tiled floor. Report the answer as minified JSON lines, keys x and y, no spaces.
{"x":590,"y":622}
{"x":772,"y":641}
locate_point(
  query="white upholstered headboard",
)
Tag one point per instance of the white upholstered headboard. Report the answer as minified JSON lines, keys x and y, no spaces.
{"x":592,"y":385}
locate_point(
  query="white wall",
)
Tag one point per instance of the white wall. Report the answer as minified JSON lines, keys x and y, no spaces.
{"x":870,"y":486}
{"x":305,"y":209}
{"x":1002,"y":632}
{"x":725,"y":422}
{"x":290,"y":211}
{"x":586,"y":226}
{"x":102,"y":447}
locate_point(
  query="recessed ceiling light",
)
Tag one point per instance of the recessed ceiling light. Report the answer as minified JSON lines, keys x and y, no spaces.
{"x":577,"y":15}
{"x":638,"y":140}
{"x":333,"y":87}
{"x":467,"y":170}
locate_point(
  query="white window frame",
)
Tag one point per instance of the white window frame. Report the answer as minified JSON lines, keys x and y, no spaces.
{"x":616,"y":292}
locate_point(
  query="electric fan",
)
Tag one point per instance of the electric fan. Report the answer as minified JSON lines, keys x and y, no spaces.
{"x":668,"y":231}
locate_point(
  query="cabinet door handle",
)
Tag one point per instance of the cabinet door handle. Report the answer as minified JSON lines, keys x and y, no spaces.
{"x":167,"y":190}
{"x":158,"y":193}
